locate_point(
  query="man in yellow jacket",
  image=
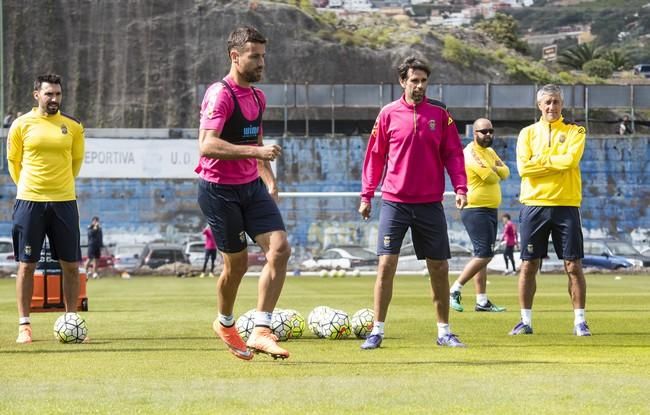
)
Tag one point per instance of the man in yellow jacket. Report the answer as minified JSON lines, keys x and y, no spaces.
{"x":548,"y":160}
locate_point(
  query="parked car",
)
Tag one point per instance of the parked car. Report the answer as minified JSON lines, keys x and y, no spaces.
{"x":642,"y":69}
{"x":105,"y":263}
{"x":256,"y":256}
{"x":170,"y":256}
{"x":8,"y":264}
{"x":408,"y":261}
{"x":195,"y":251}
{"x":612,"y":247}
{"x":126,"y":257}
{"x":343,"y":257}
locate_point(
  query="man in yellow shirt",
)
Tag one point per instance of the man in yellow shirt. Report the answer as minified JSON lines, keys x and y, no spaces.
{"x":485,"y":170}
{"x":45,"y":150}
{"x":548,"y":160}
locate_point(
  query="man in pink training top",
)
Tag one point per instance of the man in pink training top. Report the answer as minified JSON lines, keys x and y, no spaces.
{"x":414,"y":139}
{"x":210,"y":250}
{"x":511,"y":240}
{"x":238,"y":192}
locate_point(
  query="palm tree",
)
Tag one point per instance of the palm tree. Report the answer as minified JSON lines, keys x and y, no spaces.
{"x":619,"y":59}
{"x":578,"y":55}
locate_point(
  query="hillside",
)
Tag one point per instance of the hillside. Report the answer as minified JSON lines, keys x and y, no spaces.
{"x":137,"y":64}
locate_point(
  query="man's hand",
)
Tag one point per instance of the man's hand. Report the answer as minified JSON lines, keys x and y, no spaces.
{"x":461,"y":201}
{"x":273,"y":191}
{"x":269,"y":153}
{"x":364,"y":210}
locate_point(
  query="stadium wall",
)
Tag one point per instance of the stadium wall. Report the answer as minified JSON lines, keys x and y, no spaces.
{"x":615,"y":173}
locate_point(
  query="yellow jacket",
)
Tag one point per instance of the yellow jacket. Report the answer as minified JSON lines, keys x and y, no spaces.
{"x":484,"y":170}
{"x":548,"y":161}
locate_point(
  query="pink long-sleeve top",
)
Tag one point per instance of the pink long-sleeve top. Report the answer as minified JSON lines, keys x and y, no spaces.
{"x":408,"y":149}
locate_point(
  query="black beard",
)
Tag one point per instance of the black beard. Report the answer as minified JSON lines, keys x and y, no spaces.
{"x":51,"y":111}
{"x":252,"y":76}
{"x":485,"y":143}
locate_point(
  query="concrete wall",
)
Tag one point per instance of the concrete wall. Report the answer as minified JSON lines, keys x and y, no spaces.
{"x":615,"y":187}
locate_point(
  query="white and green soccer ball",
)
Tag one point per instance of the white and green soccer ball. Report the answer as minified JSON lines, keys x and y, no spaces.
{"x":297,"y":322}
{"x":362,"y":322}
{"x":70,"y":328}
{"x":314,"y":318}
{"x":335,"y":325}
{"x":245,"y":324}
{"x":281,"y":324}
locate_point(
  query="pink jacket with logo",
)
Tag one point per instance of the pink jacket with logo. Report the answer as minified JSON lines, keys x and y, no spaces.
{"x":408,"y":149}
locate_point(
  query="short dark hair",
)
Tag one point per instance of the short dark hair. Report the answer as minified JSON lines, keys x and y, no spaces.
{"x":50,"y":78}
{"x":414,"y":63}
{"x":242,"y":35}
{"x":506,"y":215}
{"x":95,"y":218}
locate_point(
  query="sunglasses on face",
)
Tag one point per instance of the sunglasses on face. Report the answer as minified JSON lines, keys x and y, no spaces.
{"x":486,"y":131}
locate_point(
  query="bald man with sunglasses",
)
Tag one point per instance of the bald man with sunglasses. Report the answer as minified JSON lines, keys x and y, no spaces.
{"x":485,"y":171}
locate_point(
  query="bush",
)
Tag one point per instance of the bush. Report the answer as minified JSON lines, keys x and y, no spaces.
{"x":599,"y":67}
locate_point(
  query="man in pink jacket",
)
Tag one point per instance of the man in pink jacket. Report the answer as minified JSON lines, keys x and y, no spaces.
{"x":414,"y":139}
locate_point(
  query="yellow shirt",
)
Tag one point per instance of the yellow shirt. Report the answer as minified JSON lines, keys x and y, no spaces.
{"x":548,"y":160}
{"x":485,"y":170}
{"x":45,"y":154}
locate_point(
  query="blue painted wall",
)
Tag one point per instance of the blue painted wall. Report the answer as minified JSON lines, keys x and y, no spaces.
{"x":616,"y":194}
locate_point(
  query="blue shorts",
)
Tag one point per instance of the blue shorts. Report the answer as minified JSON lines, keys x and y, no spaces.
{"x":481,"y":225}
{"x":234,"y":210}
{"x":562,"y":223}
{"x":428,"y":229}
{"x":58,"y":220}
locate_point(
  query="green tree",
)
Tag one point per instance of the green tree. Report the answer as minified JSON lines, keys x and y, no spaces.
{"x":503,"y":28}
{"x":578,"y":55}
{"x":619,"y":59}
{"x":599,"y":67}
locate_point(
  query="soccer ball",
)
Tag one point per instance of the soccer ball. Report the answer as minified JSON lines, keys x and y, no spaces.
{"x":314,"y":319}
{"x":281,"y":324}
{"x":335,"y":325}
{"x":323,"y":273}
{"x":70,"y":328}
{"x":356,"y":273}
{"x":340,"y":273}
{"x":362,"y":322}
{"x":297,"y":322}
{"x":245,"y":324}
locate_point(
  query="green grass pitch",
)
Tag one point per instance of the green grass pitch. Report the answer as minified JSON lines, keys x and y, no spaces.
{"x":153,"y":352}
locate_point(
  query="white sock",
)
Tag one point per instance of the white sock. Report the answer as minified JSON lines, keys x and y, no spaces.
{"x":443,"y":329}
{"x":526,"y":316}
{"x":481,"y":299}
{"x":579,"y":316}
{"x":226,"y":321}
{"x":263,"y":318}
{"x":456,"y":286}
{"x":24,"y":320}
{"x":378,"y":328}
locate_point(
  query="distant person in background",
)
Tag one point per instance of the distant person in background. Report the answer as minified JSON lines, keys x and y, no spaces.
{"x":45,"y":150}
{"x":7,"y":120}
{"x":511,"y":240}
{"x":485,"y":170}
{"x":413,"y":141}
{"x":210,"y":251}
{"x":238,"y":192}
{"x":95,"y":244}
{"x":548,"y":160}
{"x":625,"y":126}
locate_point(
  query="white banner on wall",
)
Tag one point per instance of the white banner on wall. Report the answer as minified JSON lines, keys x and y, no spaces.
{"x":142,"y":158}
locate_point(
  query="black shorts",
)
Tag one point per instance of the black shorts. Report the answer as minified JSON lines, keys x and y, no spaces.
{"x":562,"y":223}
{"x":236,"y":210}
{"x":94,"y":251}
{"x":481,"y":226}
{"x":428,"y":229}
{"x":58,"y":220}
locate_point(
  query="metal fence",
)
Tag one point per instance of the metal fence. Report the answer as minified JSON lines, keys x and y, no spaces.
{"x":630,"y":98}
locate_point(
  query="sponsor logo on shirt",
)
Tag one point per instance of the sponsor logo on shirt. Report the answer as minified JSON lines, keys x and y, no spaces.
{"x":250,"y":131}
{"x":449,"y":120}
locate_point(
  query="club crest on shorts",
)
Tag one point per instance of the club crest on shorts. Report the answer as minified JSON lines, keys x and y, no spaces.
{"x":28,"y":250}
{"x":529,"y":248}
{"x":432,"y":125}
{"x":242,"y":236}
{"x":64,"y":129}
{"x":386,"y":241}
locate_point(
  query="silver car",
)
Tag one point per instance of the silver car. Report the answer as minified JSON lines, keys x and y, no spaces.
{"x":8,"y":264}
{"x":127,"y":257}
